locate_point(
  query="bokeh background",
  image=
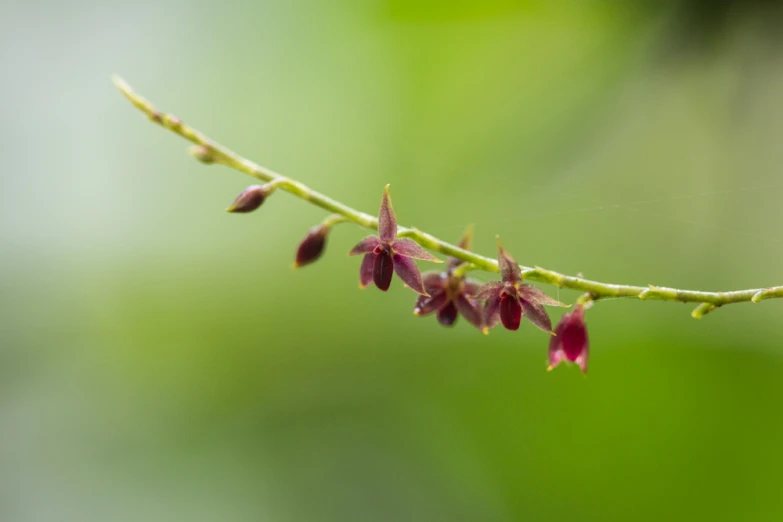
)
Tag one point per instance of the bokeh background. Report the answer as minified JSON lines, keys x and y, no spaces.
{"x":160,"y":360}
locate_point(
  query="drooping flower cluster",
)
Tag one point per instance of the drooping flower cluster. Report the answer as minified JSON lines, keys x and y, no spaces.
{"x":450,"y":293}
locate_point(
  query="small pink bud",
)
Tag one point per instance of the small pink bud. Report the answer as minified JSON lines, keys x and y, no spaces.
{"x":312,"y":246}
{"x":250,"y":199}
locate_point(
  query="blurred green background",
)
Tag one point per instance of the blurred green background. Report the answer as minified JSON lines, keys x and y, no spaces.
{"x":160,"y":360}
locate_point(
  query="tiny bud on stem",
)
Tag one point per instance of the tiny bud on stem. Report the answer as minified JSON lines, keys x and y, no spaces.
{"x":312,"y":246}
{"x":250,"y":199}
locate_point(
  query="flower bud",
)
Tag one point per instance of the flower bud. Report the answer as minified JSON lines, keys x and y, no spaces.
{"x":312,"y":246}
{"x":250,"y":199}
{"x":202,"y":153}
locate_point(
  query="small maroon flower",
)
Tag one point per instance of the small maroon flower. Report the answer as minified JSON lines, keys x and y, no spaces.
{"x":312,"y":246}
{"x":385,"y":253}
{"x":450,"y":294}
{"x":509,"y":300}
{"x":570,"y":342}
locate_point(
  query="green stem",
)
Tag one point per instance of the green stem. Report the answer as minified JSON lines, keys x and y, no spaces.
{"x":208,"y":151}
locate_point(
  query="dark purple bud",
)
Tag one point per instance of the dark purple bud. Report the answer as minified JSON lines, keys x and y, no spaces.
{"x":510,"y":311}
{"x":383,"y":268}
{"x":250,"y":199}
{"x":312,"y":246}
{"x":387,"y":222}
{"x":571,"y":342}
{"x":447,"y":314}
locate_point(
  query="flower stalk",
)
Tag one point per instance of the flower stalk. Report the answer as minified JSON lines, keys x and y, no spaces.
{"x":208,"y":151}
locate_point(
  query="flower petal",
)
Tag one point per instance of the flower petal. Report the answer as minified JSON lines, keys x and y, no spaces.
{"x":387,"y":222}
{"x":425,"y":305}
{"x":491,"y":312}
{"x":433,"y":280}
{"x":366,"y":270}
{"x":536,"y":295}
{"x":469,"y":310}
{"x":490,"y":290}
{"x":510,"y":312}
{"x":383,"y":268}
{"x":582,"y":361}
{"x":409,"y":273}
{"x":448,"y":314}
{"x":509,"y":269}
{"x":471,"y":288}
{"x":556,"y":355}
{"x":536,"y":314}
{"x":364,"y":246}
{"x":409,"y":248}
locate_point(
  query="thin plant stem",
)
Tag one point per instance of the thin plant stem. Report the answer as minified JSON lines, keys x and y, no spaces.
{"x":207,"y":150}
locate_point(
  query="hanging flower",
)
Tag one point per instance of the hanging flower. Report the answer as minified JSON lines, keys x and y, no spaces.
{"x":570,"y":343}
{"x":386,"y":254}
{"x":507,"y":301}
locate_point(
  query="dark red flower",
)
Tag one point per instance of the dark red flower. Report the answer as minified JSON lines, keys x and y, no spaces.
{"x":570,"y":343}
{"x":451,"y":294}
{"x":509,"y":300}
{"x":385,"y":253}
{"x":312,"y":246}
